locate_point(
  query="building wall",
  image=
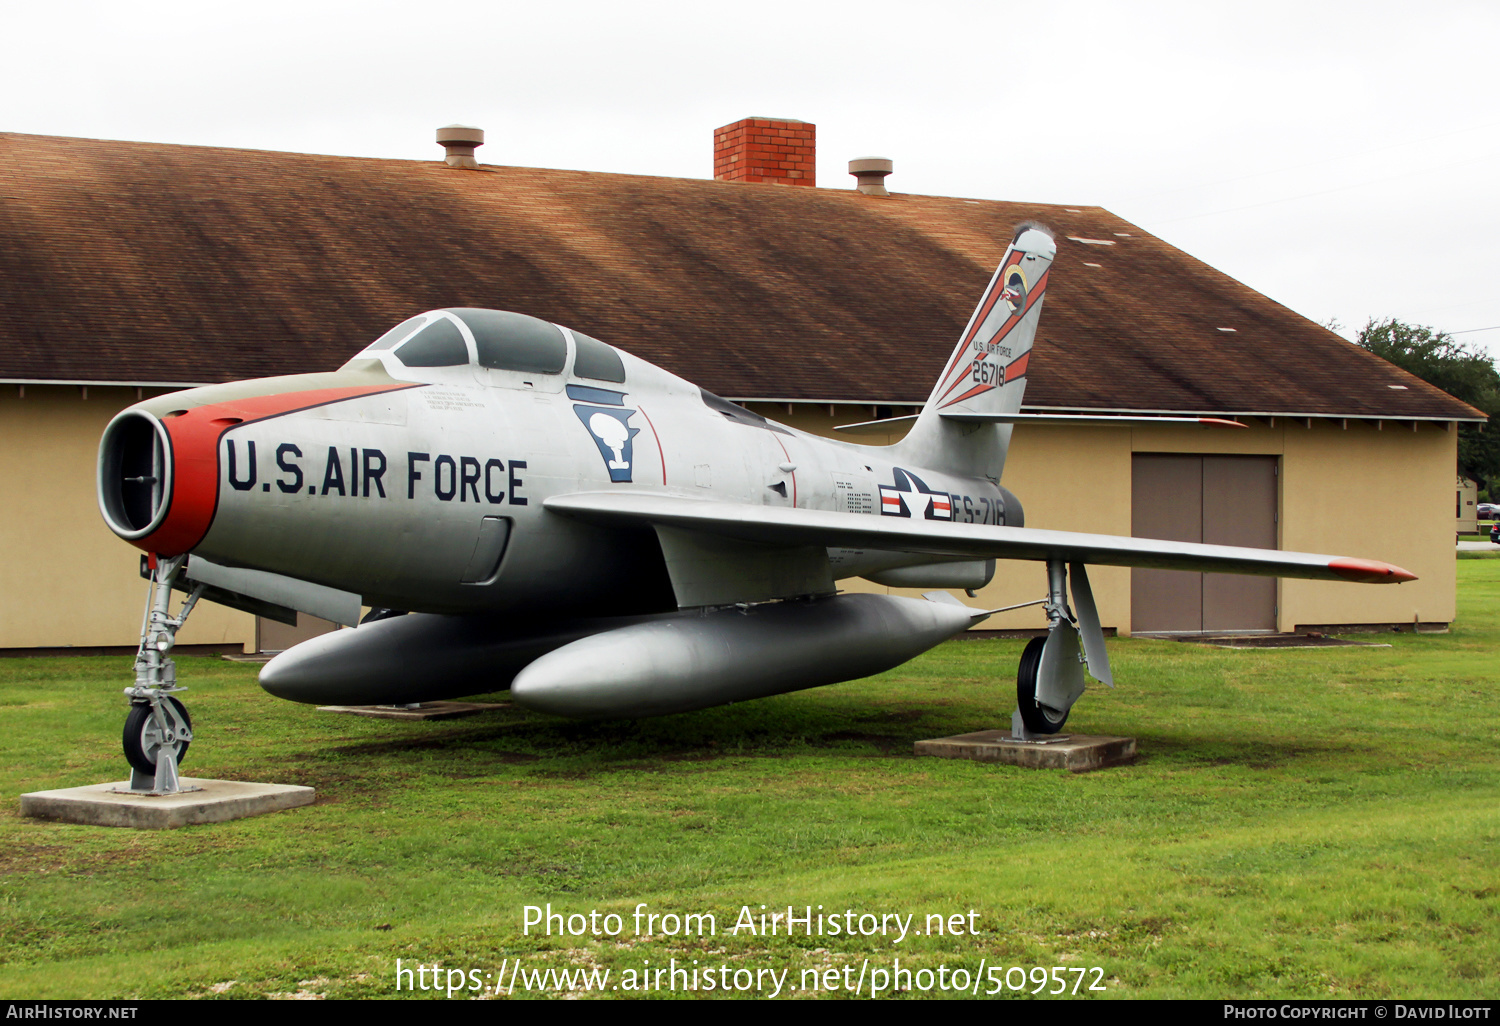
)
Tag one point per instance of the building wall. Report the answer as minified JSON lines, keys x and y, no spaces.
{"x":1383,"y":494}
{"x":1355,"y":491}
{"x":1348,"y":488}
{"x":67,"y":580}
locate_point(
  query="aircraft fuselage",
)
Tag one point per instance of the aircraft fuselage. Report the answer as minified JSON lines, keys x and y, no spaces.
{"x":423,"y":488}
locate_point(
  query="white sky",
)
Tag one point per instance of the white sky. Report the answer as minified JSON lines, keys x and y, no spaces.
{"x":1339,"y":157}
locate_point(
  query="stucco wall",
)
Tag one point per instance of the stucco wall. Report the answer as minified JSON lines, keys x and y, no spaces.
{"x":66,"y":579}
{"x":1383,"y":494}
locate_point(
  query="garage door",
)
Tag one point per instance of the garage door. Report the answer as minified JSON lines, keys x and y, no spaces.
{"x":1221,"y":500}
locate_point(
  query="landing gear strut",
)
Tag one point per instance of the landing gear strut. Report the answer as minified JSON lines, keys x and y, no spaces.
{"x":158,"y":729}
{"x":1050,"y":678}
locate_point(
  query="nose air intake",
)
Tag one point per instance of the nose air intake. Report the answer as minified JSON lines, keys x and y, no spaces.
{"x":135,"y":474}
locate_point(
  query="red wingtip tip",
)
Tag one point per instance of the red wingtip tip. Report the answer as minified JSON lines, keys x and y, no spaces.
{"x":1370,"y":571}
{"x":1220,"y":422}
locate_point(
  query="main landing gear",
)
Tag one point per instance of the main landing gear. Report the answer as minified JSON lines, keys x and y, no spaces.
{"x":158,"y":729}
{"x":1050,"y":678}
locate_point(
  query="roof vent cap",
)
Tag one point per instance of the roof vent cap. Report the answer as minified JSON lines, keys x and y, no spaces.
{"x":460,"y":142}
{"x":870,"y":173}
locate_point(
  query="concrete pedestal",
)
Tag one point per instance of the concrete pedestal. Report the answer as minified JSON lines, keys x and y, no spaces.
{"x":426,"y":711}
{"x":215,"y":801}
{"x":1077,"y":752}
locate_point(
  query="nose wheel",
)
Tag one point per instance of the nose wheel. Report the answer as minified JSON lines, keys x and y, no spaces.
{"x":147,"y":735}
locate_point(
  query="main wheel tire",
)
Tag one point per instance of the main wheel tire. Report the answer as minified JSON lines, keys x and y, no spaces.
{"x":142,"y":737}
{"x":1037,"y":717}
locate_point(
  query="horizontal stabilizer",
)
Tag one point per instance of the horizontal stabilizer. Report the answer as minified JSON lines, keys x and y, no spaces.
{"x":887,"y":424}
{"x":875,"y":427}
{"x":1082,"y":420}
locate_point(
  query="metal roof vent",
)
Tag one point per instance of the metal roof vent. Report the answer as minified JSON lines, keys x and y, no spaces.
{"x":460,"y":142}
{"x":870,"y":173}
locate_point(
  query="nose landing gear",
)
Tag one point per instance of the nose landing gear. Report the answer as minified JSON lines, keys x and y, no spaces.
{"x":158,"y":729}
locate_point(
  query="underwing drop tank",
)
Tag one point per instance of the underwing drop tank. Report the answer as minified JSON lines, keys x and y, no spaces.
{"x":422,"y":657}
{"x":696,"y":660}
{"x":618,"y":666}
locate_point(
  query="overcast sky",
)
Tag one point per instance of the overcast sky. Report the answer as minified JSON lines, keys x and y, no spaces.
{"x":1338,"y":157}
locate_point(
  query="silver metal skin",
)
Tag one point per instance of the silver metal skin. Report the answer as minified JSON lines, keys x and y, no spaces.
{"x":731,"y":655}
{"x":600,"y":535}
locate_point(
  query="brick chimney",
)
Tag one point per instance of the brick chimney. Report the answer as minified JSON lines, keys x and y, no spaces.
{"x":766,"y":150}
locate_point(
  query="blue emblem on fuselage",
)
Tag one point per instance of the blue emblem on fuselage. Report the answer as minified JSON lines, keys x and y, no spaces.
{"x":610,"y":428}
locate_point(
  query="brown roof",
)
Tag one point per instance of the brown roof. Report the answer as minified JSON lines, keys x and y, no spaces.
{"x":134,"y":262}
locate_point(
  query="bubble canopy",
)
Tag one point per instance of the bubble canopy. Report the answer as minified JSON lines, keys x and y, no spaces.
{"x":516,"y":342}
{"x":502,"y":341}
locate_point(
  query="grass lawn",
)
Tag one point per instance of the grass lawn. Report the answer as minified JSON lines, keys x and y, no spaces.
{"x":1301,"y":823}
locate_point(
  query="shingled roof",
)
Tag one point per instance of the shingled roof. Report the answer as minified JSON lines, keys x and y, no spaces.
{"x":143,"y":263}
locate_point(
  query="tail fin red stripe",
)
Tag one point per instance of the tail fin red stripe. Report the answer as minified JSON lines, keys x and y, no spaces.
{"x":1031,"y":300}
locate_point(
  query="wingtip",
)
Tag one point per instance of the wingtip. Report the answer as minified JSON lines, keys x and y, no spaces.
{"x":1370,"y":571}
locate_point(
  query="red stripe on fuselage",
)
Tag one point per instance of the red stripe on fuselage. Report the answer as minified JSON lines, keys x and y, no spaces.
{"x":195,"y":438}
{"x":656,"y":436}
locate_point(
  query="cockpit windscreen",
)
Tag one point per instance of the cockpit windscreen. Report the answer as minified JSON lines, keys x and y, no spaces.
{"x":400,"y":333}
{"x":516,"y":342}
{"x":440,"y":344}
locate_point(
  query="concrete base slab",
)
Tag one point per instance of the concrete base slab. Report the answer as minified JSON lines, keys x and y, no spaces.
{"x":1077,"y":752}
{"x":426,"y":711}
{"x":213,"y":801}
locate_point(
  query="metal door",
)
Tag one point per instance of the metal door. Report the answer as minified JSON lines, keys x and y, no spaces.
{"x":1221,"y":500}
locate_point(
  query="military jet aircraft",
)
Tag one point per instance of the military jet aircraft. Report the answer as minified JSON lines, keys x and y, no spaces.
{"x":525,"y":506}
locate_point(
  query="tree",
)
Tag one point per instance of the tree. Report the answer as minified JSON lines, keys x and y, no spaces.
{"x":1462,"y":371}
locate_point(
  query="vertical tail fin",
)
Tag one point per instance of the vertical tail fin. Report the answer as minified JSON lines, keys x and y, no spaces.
{"x":987,"y":372}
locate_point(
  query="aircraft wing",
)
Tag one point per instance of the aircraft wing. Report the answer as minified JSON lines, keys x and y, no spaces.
{"x":791,"y":528}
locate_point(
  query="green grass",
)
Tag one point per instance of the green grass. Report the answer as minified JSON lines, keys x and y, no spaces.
{"x":1302,"y":823}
